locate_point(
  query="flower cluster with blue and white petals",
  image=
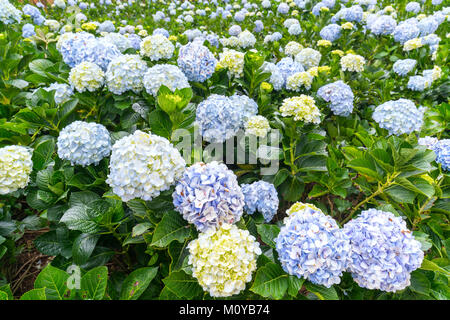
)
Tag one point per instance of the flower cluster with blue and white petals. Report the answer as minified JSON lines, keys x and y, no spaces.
{"x":340,"y":95}
{"x":261,"y":196}
{"x":196,"y":61}
{"x":125,"y":73}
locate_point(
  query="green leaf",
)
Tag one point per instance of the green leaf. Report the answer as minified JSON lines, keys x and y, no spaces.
{"x":140,"y":228}
{"x":295,"y":284}
{"x":50,"y":244}
{"x":160,"y":123}
{"x":323,"y":293}
{"x":420,"y":283}
{"x":268,"y":233}
{"x":431,"y":266}
{"x":401,"y":194}
{"x":3,"y":295}
{"x":270,"y":281}
{"x":137,"y":282}
{"x":43,"y":152}
{"x":171,"y":227}
{"x":54,"y":281}
{"x":83,"y":246}
{"x":79,"y":218}
{"x":183,"y":285}
{"x":34,"y":294}
{"x":364,"y":166}
{"x":178,"y":252}
{"x":93,"y":283}
{"x":7,"y":289}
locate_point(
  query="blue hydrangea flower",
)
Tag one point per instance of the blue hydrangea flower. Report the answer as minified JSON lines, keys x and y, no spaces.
{"x":311,"y":245}
{"x":399,"y":116}
{"x":442,"y":150}
{"x":213,"y":39}
{"x":295,"y":29}
{"x":283,"y":8}
{"x":340,"y":95}
{"x":384,"y":25}
{"x":161,"y":31}
{"x":413,"y":7}
{"x":208,"y":195}
{"x":419,"y":83}
{"x":261,"y":196}
{"x":383,"y":251}
{"x":107,"y":26}
{"x":28,"y":30}
{"x":84,"y":143}
{"x":196,"y":61}
{"x":234,"y":30}
{"x":259,"y":26}
{"x":427,"y":26}
{"x":277,"y":79}
{"x":248,"y":107}
{"x":354,"y":13}
{"x":428,"y":141}
{"x":331,"y":32}
{"x":125,"y":73}
{"x":403,"y":67}
{"x":135,"y":41}
{"x":218,"y":118}
{"x":287,"y":66}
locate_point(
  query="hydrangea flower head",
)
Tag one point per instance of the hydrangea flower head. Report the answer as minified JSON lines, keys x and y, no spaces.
{"x":143,"y":165}
{"x":399,"y":116}
{"x":86,"y":76}
{"x":302,"y":108}
{"x":164,"y":74}
{"x":233,"y":60}
{"x":15,"y":168}
{"x":299,"y":80}
{"x":125,"y":73}
{"x":383,"y":251}
{"x":248,"y":107}
{"x":223,"y":260}
{"x":310,"y":245}
{"x":62,"y":92}
{"x":196,"y":61}
{"x":260,"y":196}
{"x":84,"y":143}
{"x":157,"y":47}
{"x":257,"y":125}
{"x":293,"y":48}
{"x":403,"y":67}
{"x":352,"y":62}
{"x":208,"y":196}
{"x":442,"y":150}
{"x":340,"y":95}
{"x":8,"y":13}
{"x":331,"y":32}
{"x":246,"y":39}
{"x":308,"y":58}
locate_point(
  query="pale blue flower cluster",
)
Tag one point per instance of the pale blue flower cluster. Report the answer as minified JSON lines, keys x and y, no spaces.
{"x":120,"y":41}
{"x":399,"y":116}
{"x":78,"y":47}
{"x":354,"y":13}
{"x":107,"y":26}
{"x":196,"y":61}
{"x":261,"y":196}
{"x":418,"y":83}
{"x":8,"y":13}
{"x":427,"y":26}
{"x":234,"y":30}
{"x":442,"y":150}
{"x":208,"y":195}
{"x":277,"y":79}
{"x":28,"y":30}
{"x":383,"y":25}
{"x":413,"y":7}
{"x":331,"y":32}
{"x":62,"y":92}
{"x":218,"y":118}
{"x":406,"y":30}
{"x":283,"y":8}
{"x":248,"y":107}
{"x":311,"y":245}
{"x":34,"y":13}
{"x":403,"y":67}
{"x":125,"y":73}
{"x":340,"y":95}
{"x":295,"y":29}
{"x":84,"y":143}
{"x":384,"y":252}
{"x":288,"y":67}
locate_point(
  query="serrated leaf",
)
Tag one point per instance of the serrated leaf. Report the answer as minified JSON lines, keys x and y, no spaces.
{"x":54,"y":281}
{"x":323,"y":293}
{"x":183,"y":285}
{"x":34,"y":294}
{"x":83,"y":246}
{"x":268,"y":233}
{"x":93,"y":283}
{"x":137,"y":282}
{"x":171,"y":227}
{"x":270,"y":281}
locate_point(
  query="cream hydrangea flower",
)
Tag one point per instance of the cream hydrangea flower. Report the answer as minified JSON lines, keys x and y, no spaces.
{"x":324,"y":43}
{"x":15,"y":168}
{"x":142,"y":165}
{"x":347,"y":26}
{"x":293,"y":48}
{"x":412,"y":44}
{"x":157,"y":47}
{"x":302,"y":108}
{"x":86,"y":76}
{"x":223,"y":260}
{"x":299,"y":207}
{"x":258,"y":126}
{"x":352,"y":62}
{"x":233,"y":60}
{"x":299,"y":79}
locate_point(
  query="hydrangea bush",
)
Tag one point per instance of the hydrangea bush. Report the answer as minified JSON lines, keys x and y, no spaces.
{"x":225,"y":150}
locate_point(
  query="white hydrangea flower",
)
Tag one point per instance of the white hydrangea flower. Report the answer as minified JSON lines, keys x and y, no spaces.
{"x":258,"y":126}
{"x":293,"y":48}
{"x":299,"y":79}
{"x":142,"y":165}
{"x":84,"y":143}
{"x":246,"y":39}
{"x":157,"y":47}
{"x":308,"y":58}
{"x":125,"y":73}
{"x":223,"y":260}
{"x":352,"y":62}
{"x":15,"y":168}
{"x":233,"y":60}
{"x":164,"y":74}
{"x":86,"y":76}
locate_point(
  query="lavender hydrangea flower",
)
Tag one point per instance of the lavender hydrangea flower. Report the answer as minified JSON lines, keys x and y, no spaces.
{"x":261,"y":196}
{"x":383,"y":251}
{"x":28,"y":30}
{"x":384,"y":25}
{"x":288,"y":67}
{"x":247,"y":105}
{"x":399,"y":116}
{"x":427,"y":26}
{"x":196,"y":61}
{"x":340,"y":95}
{"x":442,"y":150}
{"x":84,"y":143}
{"x":311,"y":245}
{"x":354,"y":13}
{"x":208,"y":195}
{"x":413,"y":7}
{"x":331,"y":32}
{"x":418,"y":83}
